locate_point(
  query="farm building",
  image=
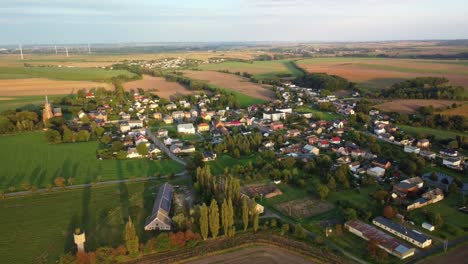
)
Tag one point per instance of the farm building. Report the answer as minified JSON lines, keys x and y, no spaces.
{"x":407,"y":234}
{"x":160,"y":219}
{"x":411,"y":149}
{"x":429,"y":197}
{"x":382,"y":240}
{"x":439,"y":180}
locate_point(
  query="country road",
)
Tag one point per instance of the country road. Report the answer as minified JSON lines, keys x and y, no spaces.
{"x":79,"y":186}
{"x":163,"y":147}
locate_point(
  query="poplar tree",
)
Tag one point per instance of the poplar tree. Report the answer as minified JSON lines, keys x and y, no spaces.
{"x":214,"y":218}
{"x":245,"y":213}
{"x":230,"y":218}
{"x":204,"y":221}
{"x":255,"y":221}
{"x":131,"y":238}
{"x":224,"y":217}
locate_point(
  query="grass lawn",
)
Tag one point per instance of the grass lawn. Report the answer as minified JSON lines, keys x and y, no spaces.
{"x":438,"y":133}
{"x":329,"y":116}
{"x":70,"y":74}
{"x":243,"y":99}
{"x":43,"y":224}
{"x":355,"y":197}
{"x":14,"y":102}
{"x":225,"y":161}
{"x":28,"y":158}
{"x":456,"y":222}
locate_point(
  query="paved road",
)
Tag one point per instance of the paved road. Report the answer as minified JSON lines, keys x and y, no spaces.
{"x":80,"y":186}
{"x":163,"y":147}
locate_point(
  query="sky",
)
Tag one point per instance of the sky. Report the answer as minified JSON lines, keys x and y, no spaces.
{"x":124,"y":21}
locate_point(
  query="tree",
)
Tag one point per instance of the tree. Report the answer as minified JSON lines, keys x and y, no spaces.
{"x":389,"y":212}
{"x":204,"y":221}
{"x":53,"y":136}
{"x":255,"y":221}
{"x":224,"y":216}
{"x":284,"y":229}
{"x":106,"y":139}
{"x":245,"y":212}
{"x":331,"y":184}
{"x":82,"y":136}
{"x":131,"y":238}
{"x":67,"y":135}
{"x":300,"y":232}
{"x":437,"y":220}
{"x":350,"y":214}
{"x":323,"y":191}
{"x":59,"y":182}
{"x":230,"y":218}
{"x":214,"y":218}
{"x":142,"y":149}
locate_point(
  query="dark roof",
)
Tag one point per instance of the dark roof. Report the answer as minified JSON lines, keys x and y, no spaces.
{"x":440,"y":178}
{"x":405,"y":185}
{"x":381,"y":161}
{"x":421,"y":238}
{"x":162,"y":204}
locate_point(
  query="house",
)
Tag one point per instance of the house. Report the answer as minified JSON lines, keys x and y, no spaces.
{"x":268,"y":144}
{"x":335,"y":140}
{"x":175,"y":149}
{"x":178,"y":115}
{"x":387,"y":136}
{"x":186,"y":128}
{"x":171,"y":106}
{"x":293,"y":133}
{"x":124,"y":127}
{"x":414,"y":237}
{"x":125,"y":116}
{"x":159,"y":219}
{"x":157,"y":116}
{"x":427,"y":198}
{"x":203,"y":127}
{"x":209,"y":156}
{"x":377,"y":172}
{"x":153,"y":149}
{"x":135,"y":123}
{"x":233,"y":124}
{"x":354,"y":166}
{"x":379,"y":130}
{"x":132,"y":153}
{"x":94,"y":115}
{"x":449,"y":152}
{"x":427,"y":154}
{"x":312,"y":140}
{"x":323,"y":143}
{"x":381,"y":239}
{"x":162,"y":132}
{"x":428,"y":226}
{"x":411,"y":149}
{"x":415,"y":180}
{"x":187,"y":114}
{"x":357,"y":153}
{"x":89,"y":95}
{"x":311,"y":149}
{"x":343,"y":160}
{"x":274,"y":116}
{"x":338,"y":124}
{"x":205,"y":116}
{"x":276,"y":126}
{"x":403,"y":188}
{"x":381,"y":162}
{"x":284,"y":110}
{"x":168,"y":119}
{"x":423,"y":143}
{"x":187,"y":149}
{"x":140,"y":139}
{"x":453,"y":163}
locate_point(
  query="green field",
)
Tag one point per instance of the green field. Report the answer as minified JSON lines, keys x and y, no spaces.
{"x":329,"y":116}
{"x":243,"y":99}
{"x":14,"y":102}
{"x":225,"y":161}
{"x":56,"y":73}
{"x":438,"y":133}
{"x":43,"y":224}
{"x":259,"y":69}
{"x":27,"y":158}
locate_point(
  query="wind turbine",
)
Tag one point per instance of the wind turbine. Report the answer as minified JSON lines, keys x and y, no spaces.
{"x":56,"y":52}
{"x":21,"y":51}
{"x":89,"y":48}
{"x":66,"y":50}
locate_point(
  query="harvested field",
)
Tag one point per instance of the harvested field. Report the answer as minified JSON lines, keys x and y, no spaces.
{"x":304,"y":208}
{"x":267,"y":191}
{"x":38,"y":86}
{"x":257,"y":255}
{"x":381,"y":73}
{"x":232,"y":82}
{"x":407,"y":106}
{"x":462,"y":110}
{"x":162,"y":87}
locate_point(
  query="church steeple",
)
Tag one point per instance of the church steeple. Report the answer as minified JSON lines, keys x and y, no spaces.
{"x":47,"y":112}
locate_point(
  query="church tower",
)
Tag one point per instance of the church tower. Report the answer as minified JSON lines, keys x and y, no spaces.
{"x":47,"y":112}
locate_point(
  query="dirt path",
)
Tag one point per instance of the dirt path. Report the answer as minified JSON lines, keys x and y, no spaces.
{"x":257,"y":255}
